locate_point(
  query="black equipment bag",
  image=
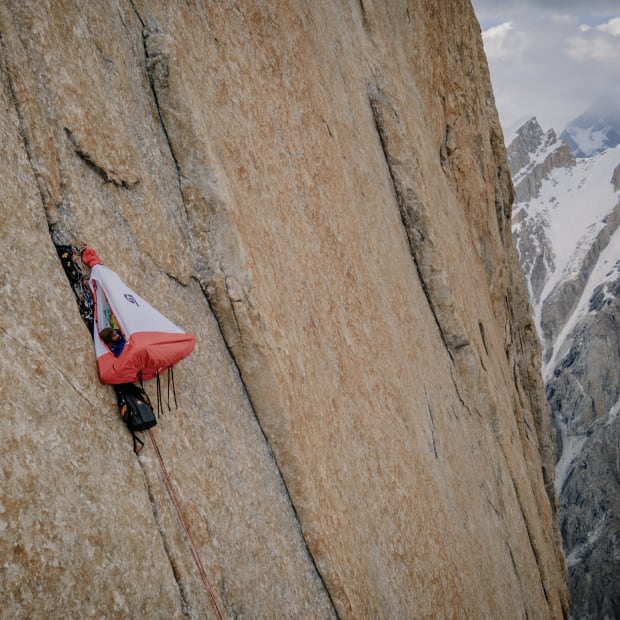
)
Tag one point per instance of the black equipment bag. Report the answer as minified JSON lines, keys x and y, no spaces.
{"x":135,"y":407}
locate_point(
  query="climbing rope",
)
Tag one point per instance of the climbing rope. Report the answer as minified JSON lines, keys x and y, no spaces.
{"x":182,"y":521}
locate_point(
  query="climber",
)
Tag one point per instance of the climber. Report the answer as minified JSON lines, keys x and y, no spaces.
{"x":114,"y":339}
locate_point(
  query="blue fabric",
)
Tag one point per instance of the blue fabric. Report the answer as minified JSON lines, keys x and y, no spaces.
{"x":117,"y":348}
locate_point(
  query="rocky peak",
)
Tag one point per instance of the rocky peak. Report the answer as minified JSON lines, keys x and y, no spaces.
{"x":532,"y":154}
{"x":529,"y":137}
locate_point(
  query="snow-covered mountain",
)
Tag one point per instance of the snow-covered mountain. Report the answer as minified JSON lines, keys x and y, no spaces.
{"x":566,"y":220}
{"x":594,"y":131}
{"x":532,"y":155}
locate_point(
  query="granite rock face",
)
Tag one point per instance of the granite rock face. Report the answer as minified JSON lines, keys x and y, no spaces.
{"x":320,"y":194}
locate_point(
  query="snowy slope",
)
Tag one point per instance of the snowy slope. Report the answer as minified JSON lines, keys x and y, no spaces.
{"x":606,"y":270}
{"x":571,"y":207}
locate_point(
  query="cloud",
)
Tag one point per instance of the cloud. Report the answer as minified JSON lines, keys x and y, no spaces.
{"x":490,"y":9}
{"x":549,"y":59}
{"x":582,"y":49}
{"x":496,"y":43}
{"x":598,"y":43}
{"x":612,"y":27}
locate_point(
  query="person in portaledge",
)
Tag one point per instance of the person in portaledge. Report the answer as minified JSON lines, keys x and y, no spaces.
{"x":114,"y":339}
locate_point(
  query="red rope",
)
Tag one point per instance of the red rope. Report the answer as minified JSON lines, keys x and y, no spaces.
{"x":188,"y":537}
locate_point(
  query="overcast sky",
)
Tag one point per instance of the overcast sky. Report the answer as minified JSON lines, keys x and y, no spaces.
{"x":550,"y":58}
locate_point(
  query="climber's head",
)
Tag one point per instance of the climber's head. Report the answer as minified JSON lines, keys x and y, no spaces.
{"x":109,"y":335}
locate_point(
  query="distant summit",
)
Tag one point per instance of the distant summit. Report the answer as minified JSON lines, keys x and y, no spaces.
{"x":532,"y":155}
{"x":597,"y":129}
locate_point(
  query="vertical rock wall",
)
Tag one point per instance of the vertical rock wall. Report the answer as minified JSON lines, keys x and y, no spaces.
{"x":319,"y":193}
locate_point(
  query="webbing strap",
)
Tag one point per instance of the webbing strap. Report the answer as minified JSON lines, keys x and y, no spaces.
{"x":174,"y":392}
{"x":188,"y":537}
{"x":160,"y":398}
{"x":160,"y":404}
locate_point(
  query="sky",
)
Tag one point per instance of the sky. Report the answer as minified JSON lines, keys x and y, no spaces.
{"x":550,"y":58}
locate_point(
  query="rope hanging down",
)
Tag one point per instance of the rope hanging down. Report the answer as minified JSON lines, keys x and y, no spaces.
{"x":188,"y":537}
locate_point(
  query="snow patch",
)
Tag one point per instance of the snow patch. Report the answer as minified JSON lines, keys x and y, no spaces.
{"x":571,"y":448}
{"x":577,"y":553}
{"x":613,"y":414}
{"x":602,"y":273}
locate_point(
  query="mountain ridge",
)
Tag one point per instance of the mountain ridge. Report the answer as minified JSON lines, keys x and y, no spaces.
{"x":567,"y":235}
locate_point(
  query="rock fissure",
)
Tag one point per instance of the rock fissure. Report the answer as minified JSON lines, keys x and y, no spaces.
{"x":51,"y":208}
{"x":430,"y":415}
{"x":484,"y":339}
{"x":531,"y":539}
{"x":364,"y":16}
{"x":183,"y":594}
{"x":270,"y":450}
{"x":457,"y":391}
{"x":495,"y":510}
{"x":239,"y":375}
{"x":51,"y":212}
{"x":107,"y":174}
{"x":400,"y":202}
{"x":517,"y":576}
{"x":153,"y":64}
